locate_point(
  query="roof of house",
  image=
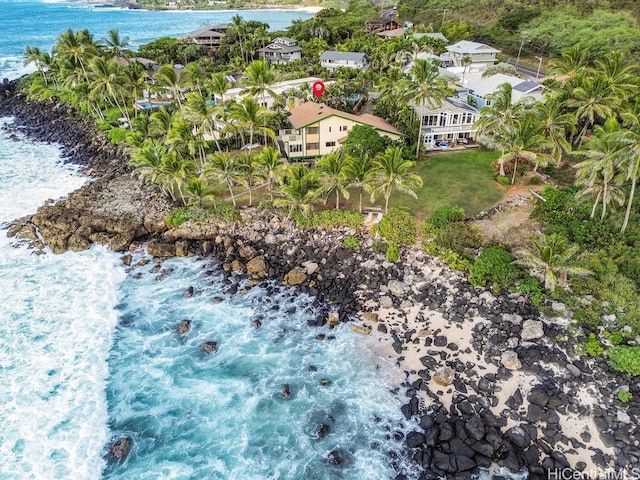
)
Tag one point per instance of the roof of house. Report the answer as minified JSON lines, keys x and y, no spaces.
{"x":381,"y":21}
{"x":490,"y":84}
{"x":210,"y":31}
{"x":279,"y":87}
{"x":527,"y":86}
{"x":311,"y":112}
{"x":279,"y":47}
{"x":468,"y":47}
{"x":346,"y":56}
{"x":398,"y":32}
{"x":436,"y":35}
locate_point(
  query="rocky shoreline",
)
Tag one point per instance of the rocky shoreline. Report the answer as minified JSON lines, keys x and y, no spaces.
{"x":489,"y":381}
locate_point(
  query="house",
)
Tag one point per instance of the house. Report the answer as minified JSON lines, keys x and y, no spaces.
{"x":479,"y":53}
{"x":398,"y":32}
{"x":319,"y":130}
{"x":147,"y":64}
{"x":448,"y":124}
{"x":278,"y":89}
{"x":477,"y":92}
{"x":210,"y":37}
{"x":381,"y":25}
{"x":333,"y":60}
{"x":281,"y":51}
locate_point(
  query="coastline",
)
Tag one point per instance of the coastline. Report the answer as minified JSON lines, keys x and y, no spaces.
{"x":416,"y":304}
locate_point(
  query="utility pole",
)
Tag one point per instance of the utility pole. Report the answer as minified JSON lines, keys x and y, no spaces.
{"x":539,"y":65}
{"x":520,"y":51}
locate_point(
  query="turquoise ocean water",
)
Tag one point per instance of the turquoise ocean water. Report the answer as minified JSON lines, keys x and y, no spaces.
{"x":89,"y":352}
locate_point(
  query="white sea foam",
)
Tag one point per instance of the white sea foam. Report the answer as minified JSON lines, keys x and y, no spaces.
{"x":56,"y":331}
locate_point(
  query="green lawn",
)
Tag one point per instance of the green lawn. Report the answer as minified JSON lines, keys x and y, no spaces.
{"x":460,"y":178}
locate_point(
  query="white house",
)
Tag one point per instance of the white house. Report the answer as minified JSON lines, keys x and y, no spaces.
{"x":448,"y":124}
{"x":281,"y":51}
{"x":278,"y":89}
{"x":479,"y":53}
{"x":319,"y":130}
{"x":477,"y":92}
{"x":332,"y":60}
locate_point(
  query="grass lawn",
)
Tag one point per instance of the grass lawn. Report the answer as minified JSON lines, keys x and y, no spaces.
{"x":460,"y":178}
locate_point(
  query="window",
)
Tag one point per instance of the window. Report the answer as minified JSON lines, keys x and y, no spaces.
{"x":430,"y":120}
{"x":443,"y":119}
{"x":330,"y":144}
{"x":455,"y":119}
{"x":295,"y":148}
{"x":313,"y":146}
{"x":488,"y":103}
{"x":344,"y":128}
{"x":329,"y":129}
{"x":313,"y":130}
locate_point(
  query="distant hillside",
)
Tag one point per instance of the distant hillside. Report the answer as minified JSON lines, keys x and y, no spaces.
{"x":546,"y":26}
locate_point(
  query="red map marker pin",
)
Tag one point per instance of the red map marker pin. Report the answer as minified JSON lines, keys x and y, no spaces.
{"x":318,"y":88}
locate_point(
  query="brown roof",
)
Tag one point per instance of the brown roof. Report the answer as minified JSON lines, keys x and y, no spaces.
{"x":311,"y":112}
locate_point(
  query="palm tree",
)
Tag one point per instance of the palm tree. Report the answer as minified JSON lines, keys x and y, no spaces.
{"x":76,"y":48}
{"x":593,"y":101}
{"x":631,"y":141}
{"x":392,"y":172}
{"x":239,"y":27}
{"x":175,"y":173}
{"x":333,"y":175}
{"x":148,"y":160}
{"x":193,"y":76}
{"x":522,"y":141}
{"x":570,"y":66}
{"x":222,"y":167}
{"x":271,"y":168}
{"x":219,"y":85}
{"x":426,"y":89}
{"x":596,"y":174}
{"x":555,"y":125}
{"x":246,"y":173}
{"x":203,"y":115}
{"x":299,"y":189}
{"x":248,"y":116}
{"x":199,"y":190}
{"x":34,"y":55}
{"x":502,"y":111}
{"x":551,"y":260}
{"x":114,"y":44}
{"x":171,"y":78}
{"x":359,"y":170}
{"x":107,"y":83}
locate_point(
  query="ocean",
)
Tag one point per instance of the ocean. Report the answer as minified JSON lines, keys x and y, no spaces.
{"x":89,"y":350}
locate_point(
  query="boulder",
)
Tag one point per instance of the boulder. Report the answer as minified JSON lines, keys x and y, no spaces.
{"x":397,"y":288}
{"x":361,"y":329}
{"x":386,"y":302}
{"x":182,"y":248}
{"x":531,"y":330}
{"x":296,"y":276}
{"x":237,"y":266}
{"x":444,"y":376}
{"x":210,"y":347}
{"x":120,"y":448}
{"x":510,"y":360}
{"x":161,"y":249}
{"x":414,"y":439}
{"x":256,"y":267}
{"x":184,"y":326}
{"x":369,"y":317}
{"x":76,"y":243}
{"x":333,"y":319}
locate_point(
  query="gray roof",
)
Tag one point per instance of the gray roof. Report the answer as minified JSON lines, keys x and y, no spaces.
{"x":346,"y":56}
{"x":456,"y":102}
{"x":278,"y":47}
{"x":490,"y":84}
{"x":527,"y":86}
{"x":467,"y":47}
{"x":209,"y":30}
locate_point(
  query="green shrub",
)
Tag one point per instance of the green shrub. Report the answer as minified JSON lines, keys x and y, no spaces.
{"x":117,"y":135}
{"x":615,"y":338}
{"x":444,"y":215}
{"x":393,"y":253}
{"x":451,"y":258}
{"x":179,"y":216}
{"x":352,"y":242}
{"x":398,"y":226}
{"x":380,"y":247}
{"x":504,"y":181}
{"x":593,"y":347}
{"x":494,"y":266}
{"x":625,"y":359}
{"x":228,"y":213}
{"x":460,"y":237}
{"x":535,"y":180}
{"x":624,"y":396}
{"x":533,"y":289}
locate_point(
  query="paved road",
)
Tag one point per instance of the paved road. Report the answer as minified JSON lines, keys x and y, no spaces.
{"x":526,"y":70}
